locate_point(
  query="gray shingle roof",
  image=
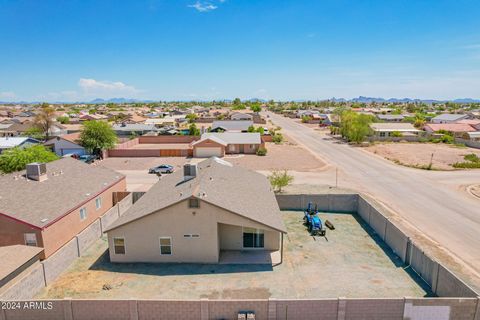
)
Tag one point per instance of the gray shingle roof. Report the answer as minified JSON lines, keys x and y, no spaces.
{"x":70,"y":183}
{"x":449,"y":117}
{"x":241,"y":191}
{"x":235,"y":137}
{"x":232,"y":125}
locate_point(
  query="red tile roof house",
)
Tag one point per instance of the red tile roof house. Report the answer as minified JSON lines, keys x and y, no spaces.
{"x":49,"y":204}
{"x":456,"y":128}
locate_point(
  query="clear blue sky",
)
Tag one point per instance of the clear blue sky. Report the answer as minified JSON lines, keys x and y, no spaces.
{"x":188,"y":49}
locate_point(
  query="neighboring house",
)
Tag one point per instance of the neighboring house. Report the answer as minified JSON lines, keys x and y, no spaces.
{"x":15,"y":129}
{"x":391,"y":117}
{"x":474,"y":136}
{"x":15,"y":259}
{"x":457,"y":129}
{"x":241,"y":116}
{"x":96,"y":117}
{"x":57,"y":129}
{"x":449,"y":118}
{"x":198,"y":214}
{"x":12,"y":142}
{"x":307,"y":113}
{"x":231,"y":125}
{"x":383,"y":130}
{"x":219,"y":144}
{"x":66,"y":144}
{"x":47,"y":205}
{"x":127,"y":129}
{"x":473,"y":122}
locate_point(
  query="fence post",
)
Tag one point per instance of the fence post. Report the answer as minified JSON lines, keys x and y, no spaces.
{"x":133,"y":307}
{"x":204,"y":312}
{"x":2,"y":314}
{"x":342,"y":308}
{"x":477,"y":312}
{"x":272,"y":309}
{"x":67,"y":309}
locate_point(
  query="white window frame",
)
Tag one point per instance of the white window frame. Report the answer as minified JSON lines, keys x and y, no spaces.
{"x":124,"y":246}
{"x":82,"y":218}
{"x":98,"y":203}
{"x":231,"y":147}
{"x":160,"y":246}
{"x":25,"y":239}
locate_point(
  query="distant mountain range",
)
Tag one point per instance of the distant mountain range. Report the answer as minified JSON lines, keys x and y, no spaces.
{"x":403,"y":100}
{"x":360,"y":99}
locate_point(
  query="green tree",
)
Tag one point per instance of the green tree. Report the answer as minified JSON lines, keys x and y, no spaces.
{"x":251,"y":129}
{"x":44,"y":119}
{"x":34,"y":132}
{"x":191,"y":117}
{"x":280,"y":179}
{"x":256,"y":107}
{"x":63,"y":120}
{"x":193,"y":130}
{"x":237,"y":101}
{"x":97,"y":136}
{"x":261,"y":130}
{"x":16,"y":159}
{"x":277,"y":138}
{"x":355,"y":126}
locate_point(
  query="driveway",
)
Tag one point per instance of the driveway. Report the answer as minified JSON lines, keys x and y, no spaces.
{"x":433,"y":202}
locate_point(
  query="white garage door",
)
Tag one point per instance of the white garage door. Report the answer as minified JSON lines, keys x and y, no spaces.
{"x":208,"y":152}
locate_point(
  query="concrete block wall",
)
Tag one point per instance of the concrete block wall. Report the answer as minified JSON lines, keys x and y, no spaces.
{"x":396,"y":240}
{"x":271,"y":309}
{"x":165,"y":310}
{"x":32,"y":280}
{"x":100,"y":309}
{"x":109,"y":217}
{"x":374,"y":309}
{"x":125,"y":204}
{"x":440,"y":308}
{"x":60,"y":260}
{"x":324,"y":202}
{"x":326,"y":309}
{"x":448,"y":285}
{"x":88,"y":236}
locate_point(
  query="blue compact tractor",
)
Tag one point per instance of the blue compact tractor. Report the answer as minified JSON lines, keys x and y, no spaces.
{"x":313,"y":221}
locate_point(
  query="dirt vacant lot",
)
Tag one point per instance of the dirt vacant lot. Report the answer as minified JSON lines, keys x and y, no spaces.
{"x":350,"y":262}
{"x":420,"y":154}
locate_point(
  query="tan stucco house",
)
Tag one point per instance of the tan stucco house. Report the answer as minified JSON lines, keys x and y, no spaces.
{"x":200,"y":215}
{"x":217,"y":144}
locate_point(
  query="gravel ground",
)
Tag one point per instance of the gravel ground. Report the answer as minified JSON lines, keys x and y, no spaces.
{"x":350,"y":262}
{"x":419,"y":154}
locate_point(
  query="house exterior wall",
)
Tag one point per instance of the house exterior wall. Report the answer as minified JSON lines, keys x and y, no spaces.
{"x":12,"y":232}
{"x":247,"y":148}
{"x":66,"y":228}
{"x":231,"y":238}
{"x":142,"y":236}
{"x":62,"y":147}
{"x":208,"y":144}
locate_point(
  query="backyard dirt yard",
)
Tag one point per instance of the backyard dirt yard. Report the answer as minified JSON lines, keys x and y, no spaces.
{"x":279,"y":156}
{"x":419,"y":154}
{"x":350,"y":262}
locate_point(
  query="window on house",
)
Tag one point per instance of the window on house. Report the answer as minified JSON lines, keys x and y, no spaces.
{"x":253,"y":238}
{"x":193,"y":203}
{"x":382,"y":134}
{"x":231,"y":148}
{"x":98,"y":203}
{"x":119,"y":245}
{"x":83,"y":213}
{"x":30,"y":239}
{"x":165,"y":246}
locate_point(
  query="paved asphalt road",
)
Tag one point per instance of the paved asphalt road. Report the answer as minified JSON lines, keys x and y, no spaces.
{"x":434,"y":202}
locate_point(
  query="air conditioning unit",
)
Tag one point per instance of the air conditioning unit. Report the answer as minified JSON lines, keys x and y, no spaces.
{"x":37,"y":171}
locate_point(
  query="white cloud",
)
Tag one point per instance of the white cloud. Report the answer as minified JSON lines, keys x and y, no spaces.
{"x":106,"y":89}
{"x":7,"y":95}
{"x":203,"y":6}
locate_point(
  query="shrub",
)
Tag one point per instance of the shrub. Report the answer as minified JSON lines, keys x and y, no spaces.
{"x":261,"y":151}
{"x":280,"y":179}
{"x":472,"y":157}
{"x":277,"y":138}
{"x":396,"y":134}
